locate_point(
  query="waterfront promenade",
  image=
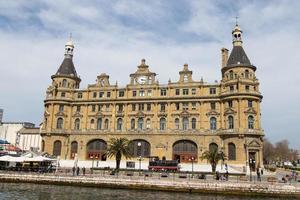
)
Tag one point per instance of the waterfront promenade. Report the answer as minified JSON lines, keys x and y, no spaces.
{"x":156,"y":181}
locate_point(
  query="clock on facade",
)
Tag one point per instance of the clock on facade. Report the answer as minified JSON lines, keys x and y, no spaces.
{"x":142,"y":79}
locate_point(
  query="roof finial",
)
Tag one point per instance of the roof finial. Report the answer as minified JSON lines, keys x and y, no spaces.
{"x":236,"y":20}
{"x":70,"y":36}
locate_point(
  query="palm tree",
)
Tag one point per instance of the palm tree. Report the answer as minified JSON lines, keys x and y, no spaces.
{"x":118,"y":147}
{"x":213,"y":156}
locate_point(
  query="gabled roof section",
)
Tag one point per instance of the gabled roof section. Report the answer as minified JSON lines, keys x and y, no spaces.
{"x":238,"y":57}
{"x":67,"y":68}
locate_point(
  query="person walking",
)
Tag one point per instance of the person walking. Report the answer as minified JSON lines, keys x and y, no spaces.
{"x":77,"y":171}
{"x":73,"y":170}
{"x":83,"y":171}
{"x":258,"y":175}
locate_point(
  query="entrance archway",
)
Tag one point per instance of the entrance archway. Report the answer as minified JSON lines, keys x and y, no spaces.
{"x":96,"y":149}
{"x":185,"y":151}
{"x":140,"y":148}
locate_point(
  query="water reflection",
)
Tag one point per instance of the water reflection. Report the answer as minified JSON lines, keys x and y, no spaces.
{"x":50,"y":192}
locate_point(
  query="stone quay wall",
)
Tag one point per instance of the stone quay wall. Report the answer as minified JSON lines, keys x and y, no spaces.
{"x":228,"y":188}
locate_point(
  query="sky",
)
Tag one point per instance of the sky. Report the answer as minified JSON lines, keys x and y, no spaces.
{"x":112,"y":36}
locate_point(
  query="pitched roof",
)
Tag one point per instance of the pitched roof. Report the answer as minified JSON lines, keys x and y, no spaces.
{"x":238,"y":57}
{"x":67,"y":68}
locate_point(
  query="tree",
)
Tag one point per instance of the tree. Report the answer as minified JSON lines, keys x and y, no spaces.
{"x":213,"y":156}
{"x":268,"y":152}
{"x":118,"y":147}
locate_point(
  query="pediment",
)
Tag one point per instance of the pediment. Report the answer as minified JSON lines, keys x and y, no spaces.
{"x":184,"y":114}
{"x":99,"y":114}
{"x":162,"y":114}
{"x":213,"y":113}
{"x":229,"y":111}
{"x":251,"y":111}
{"x":254,"y":143}
{"x":77,"y":114}
{"x":61,"y":114}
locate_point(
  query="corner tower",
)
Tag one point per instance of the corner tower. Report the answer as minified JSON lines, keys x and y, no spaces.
{"x":66,"y":75}
{"x":241,"y":99}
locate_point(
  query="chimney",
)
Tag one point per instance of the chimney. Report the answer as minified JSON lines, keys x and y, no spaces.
{"x":224,"y":54}
{"x":1,"y":115}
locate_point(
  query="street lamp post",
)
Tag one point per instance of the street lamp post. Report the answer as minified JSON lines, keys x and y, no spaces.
{"x":140,"y":157}
{"x":251,"y":162}
{"x":192,"y":160}
{"x":92,"y":157}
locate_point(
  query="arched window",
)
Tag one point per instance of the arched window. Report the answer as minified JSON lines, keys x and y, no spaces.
{"x":77,"y":124}
{"x":213,"y":147}
{"x":213,"y":123}
{"x":177,"y":123}
{"x":162,"y":124}
{"x":140,"y":123}
{"x":132,"y":124}
{"x":99,"y":124}
{"x":64,"y":83}
{"x":106,"y":124}
{"x":246,"y":73}
{"x":74,"y":149}
{"x":119,"y":124}
{"x":231,"y":151}
{"x":148,"y":123}
{"x":185,"y":123}
{"x":194,"y":123}
{"x":140,"y":148}
{"x":57,"y":148}
{"x":230,"y":122}
{"x":250,"y":122}
{"x":59,"y":123}
{"x":231,"y":74}
{"x":96,"y":149}
{"x":92,"y":125}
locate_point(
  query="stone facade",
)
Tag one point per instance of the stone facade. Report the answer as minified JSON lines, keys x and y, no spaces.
{"x":178,"y":120}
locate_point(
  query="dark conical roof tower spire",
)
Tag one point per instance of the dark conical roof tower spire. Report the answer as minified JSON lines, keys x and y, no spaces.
{"x":238,"y":55}
{"x":67,"y":66}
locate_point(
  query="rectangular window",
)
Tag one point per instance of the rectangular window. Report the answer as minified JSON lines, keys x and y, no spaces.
{"x":162,"y":107}
{"x":61,"y":108}
{"x":120,"y":108}
{"x":194,"y":105}
{"x":231,"y":88}
{"x":141,"y":107}
{"x":230,"y":104}
{"x":163,"y":92}
{"x":185,"y":91}
{"x":193,"y":91}
{"x":247,"y":88}
{"x":63,"y":94}
{"x":107,"y":107}
{"x":148,"y":107}
{"x":177,"y":92}
{"x":149,"y":93}
{"x":93,"y":108}
{"x":94,"y":94}
{"x":213,"y":105}
{"x":79,"y":96}
{"x":212,"y":90}
{"x":177,"y":106}
{"x":101,"y":94}
{"x":121,"y":93}
{"x":250,"y":104}
{"x":99,"y":107}
{"x":108,"y":94}
{"x":133,"y":107}
{"x":78,"y":109}
{"x":185,"y":106}
{"x":142,"y":93}
{"x":134,"y":93}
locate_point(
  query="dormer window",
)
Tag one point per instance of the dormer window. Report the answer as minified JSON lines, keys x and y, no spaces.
{"x":79,"y":95}
{"x":121,"y":93}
